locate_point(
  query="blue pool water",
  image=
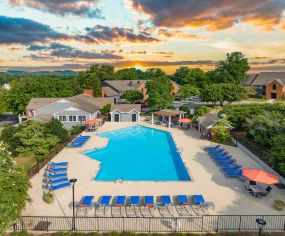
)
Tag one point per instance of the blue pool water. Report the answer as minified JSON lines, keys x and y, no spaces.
{"x":139,"y":153}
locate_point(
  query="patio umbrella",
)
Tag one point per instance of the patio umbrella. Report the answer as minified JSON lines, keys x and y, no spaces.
{"x":185,"y":120}
{"x":260,"y":176}
{"x":91,"y":122}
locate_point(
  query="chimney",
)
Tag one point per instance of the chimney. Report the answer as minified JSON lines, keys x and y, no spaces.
{"x":88,"y":92}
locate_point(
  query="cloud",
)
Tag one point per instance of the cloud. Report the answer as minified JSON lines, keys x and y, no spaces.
{"x":214,"y":14}
{"x":103,"y":34}
{"x":150,"y":53}
{"x":165,"y":63}
{"x":176,"y":34}
{"x":37,"y":47}
{"x":76,"y":53}
{"x":24,"y":31}
{"x":269,"y":61}
{"x":86,"y":8}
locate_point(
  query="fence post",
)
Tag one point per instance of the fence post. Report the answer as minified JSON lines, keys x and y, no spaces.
{"x":239,"y":223}
{"x":123,"y":225}
{"x":22,"y":224}
{"x":149,"y":224}
{"x":217,"y":229}
{"x":202,"y":226}
{"x":47,"y":223}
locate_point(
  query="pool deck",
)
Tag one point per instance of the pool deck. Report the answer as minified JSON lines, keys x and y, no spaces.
{"x":228,"y":194}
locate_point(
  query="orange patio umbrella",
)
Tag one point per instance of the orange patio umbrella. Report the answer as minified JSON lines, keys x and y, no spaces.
{"x":260,"y":176}
{"x":91,"y":122}
{"x":185,"y":120}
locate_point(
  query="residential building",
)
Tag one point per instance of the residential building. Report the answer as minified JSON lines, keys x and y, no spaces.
{"x":270,"y":85}
{"x":206,"y":123}
{"x":70,"y":111}
{"x":115,"y":88}
{"x":125,"y":112}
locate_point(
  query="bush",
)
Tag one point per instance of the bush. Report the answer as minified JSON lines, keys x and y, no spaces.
{"x":106,"y":109}
{"x":184,"y":108}
{"x":171,"y":107}
{"x":279,"y":205}
{"x":48,"y":197}
{"x":55,"y":127}
{"x":77,"y":129}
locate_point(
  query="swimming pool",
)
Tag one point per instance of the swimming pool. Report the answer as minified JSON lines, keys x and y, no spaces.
{"x":139,"y":153}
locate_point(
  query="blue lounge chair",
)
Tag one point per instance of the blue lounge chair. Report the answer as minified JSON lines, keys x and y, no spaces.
{"x":56,"y":181}
{"x":148,"y":201}
{"x":103,"y":204}
{"x":199,"y":207}
{"x":85,"y":204}
{"x":225,"y":163}
{"x":56,"y":175}
{"x":118,"y":208}
{"x":234,"y":167}
{"x":183,"y":207}
{"x":198,"y":199}
{"x":120,"y":200}
{"x":148,"y":204}
{"x":213,"y":148}
{"x":133,"y":209}
{"x":225,"y":158}
{"x":234,"y":174}
{"x":218,"y":154}
{"x":56,"y":170}
{"x":216,"y":151}
{"x":59,"y":163}
{"x":59,"y":186}
{"x":166,"y":210}
{"x":134,"y":200}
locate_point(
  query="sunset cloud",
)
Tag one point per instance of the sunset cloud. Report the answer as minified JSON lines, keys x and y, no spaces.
{"x":214,"y":15}
{"x":85,"y":8}
{"x":24,"y":31}
{"x":176,"y":34}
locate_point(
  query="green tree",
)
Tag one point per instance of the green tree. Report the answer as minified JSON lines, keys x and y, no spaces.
{"x":10,"y":141}
{"x":187,"y":91}
{"x":89,"y":80}
{"x":23,"y":90}
{"x":159,"y":93}
{"x":129,"y":74}
{"x":153,"y":73}
{"x":132,"y":96}
{"x":55,"y":127}
{"x":222,"y":130}
{"x":200,"y":111}
{"x":212,"y":93}
{"x":3,"y":100}
{"x":233,"y":69}
{"x":14,"y":186}
{"x":195,"y":77}
{"x":106,"y":109}
{"x":277,"y":153}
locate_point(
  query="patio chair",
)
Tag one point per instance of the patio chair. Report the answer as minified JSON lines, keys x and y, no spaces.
{"x":220,"y":154}
{"x":103,"y":204}
{"x":234,"y":167}
{"x":268,"y":191}
{"x":118,"y":207}
{"x":219,"y":150}
{"x":183,"y":208}
{"x":56,"y":181}
{"x":55,"y":175}
{"x":166,"y":210}
{"x":237,"y":174}
{"x":147,"y":208}
{"x":248,"y":189}
{"x":225,"y":163}
{"x":199,"y":207}
{"x":56,"y":170}
{"x":213,"y":148}
{"x":133,"y":208}
{"x":59,"y":186}
{"x":59,"y":164}
{"x":225,"y":158}
{"x":84,"y":204}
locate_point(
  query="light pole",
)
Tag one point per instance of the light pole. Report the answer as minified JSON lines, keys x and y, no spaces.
{"x":73,"y":181}
{"x":261,"y":223}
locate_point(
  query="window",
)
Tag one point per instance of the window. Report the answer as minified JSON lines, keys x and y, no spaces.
{"x":62,"y":118}
{"x":81,"y":118}
{"x":274,"y":86}
{"x":72,"y":118}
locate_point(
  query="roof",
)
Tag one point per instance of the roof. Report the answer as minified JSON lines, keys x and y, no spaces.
{"x":168,"y":112}
{"x":125,"y":107}
{"x":208,"y":120}
{"x":277,"y":80}
{"x":110,"y":92}
{"x":263,"y":78}
{"x":44,"y":117}
{"x":36,"y":103}
{"x":249,"y":79}
{"x":123,"y":85}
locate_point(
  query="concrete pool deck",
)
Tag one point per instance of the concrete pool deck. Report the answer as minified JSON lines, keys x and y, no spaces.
{"x":228,"y":194}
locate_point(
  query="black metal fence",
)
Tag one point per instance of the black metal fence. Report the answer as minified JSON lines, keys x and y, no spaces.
{"x":205,"y":223}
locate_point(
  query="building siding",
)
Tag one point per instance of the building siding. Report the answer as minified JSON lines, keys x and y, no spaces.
{"x":53,"y":108}
{"x":124,"y":117}
{"x":279,"y":90}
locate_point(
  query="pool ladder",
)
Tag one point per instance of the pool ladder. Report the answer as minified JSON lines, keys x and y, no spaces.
{"x":179,"y":149}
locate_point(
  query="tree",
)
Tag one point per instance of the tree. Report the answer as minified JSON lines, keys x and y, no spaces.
{"x":55,"y":127}
{"x":10,"y":141}
{"x":200,"y":111}
{"x":106,"y":109}
{"x":231,"y":70}
{"x":14,"y":186}
{"x":195,"y":77}
{"x":153,"y":73}
{"x":159,"y":93}
{"x":212,"y":93}
{"x":222,"y":130}
{"x":132,"y":96}
{"x":181,"y":75}
{"x":129,"y":74}
{"x":277,"y":153}
{"x":3,"y":101}
{"x":89,"y":80}
{"x":187,"y":91}
{"x":23,"y":90}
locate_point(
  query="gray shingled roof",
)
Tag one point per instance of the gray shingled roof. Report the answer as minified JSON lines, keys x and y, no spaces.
{"x":249,"y":79}
{"x":125,"y":107}
{"x":264,"y":78}
{"x":208,"y":120}
{"x":110,"y":92}
{"x":36,"y":103}
{"x":123,"y":85}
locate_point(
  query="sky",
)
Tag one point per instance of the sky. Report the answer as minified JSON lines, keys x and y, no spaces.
{"x":50,"y":35}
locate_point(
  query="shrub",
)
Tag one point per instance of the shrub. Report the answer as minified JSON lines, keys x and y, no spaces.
{"x":48,"y":197}
{"x":279,"y":205}
{"x":184,"y":108}
{"x":171,"y":107}
{"x":55,"y":127}
{"x":106,"y":109}
{"x":77,"y":129}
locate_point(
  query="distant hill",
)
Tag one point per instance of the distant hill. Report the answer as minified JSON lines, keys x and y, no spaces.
{"x":58,"y":72}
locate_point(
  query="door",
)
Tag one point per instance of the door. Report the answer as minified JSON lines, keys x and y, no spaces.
{"x":273,"y":95}
{"x":134,"y":117}
{"x":117,"y":118}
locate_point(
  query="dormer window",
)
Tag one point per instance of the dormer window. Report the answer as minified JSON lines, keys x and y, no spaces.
{"x":274,"y":86}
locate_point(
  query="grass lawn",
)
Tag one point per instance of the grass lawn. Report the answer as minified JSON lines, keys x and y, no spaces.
{"x":25,"y":162}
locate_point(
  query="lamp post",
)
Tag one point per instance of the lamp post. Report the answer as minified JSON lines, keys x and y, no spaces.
{"x":261,"y":223}
{"x":73,"y":181}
